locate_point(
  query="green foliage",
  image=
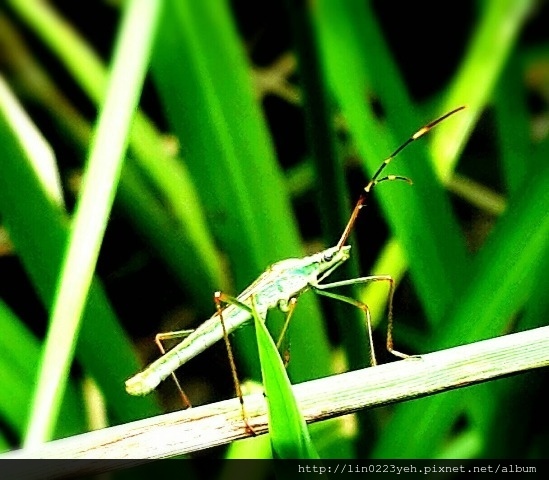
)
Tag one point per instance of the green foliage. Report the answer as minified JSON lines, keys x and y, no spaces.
{"x":215,"y":212}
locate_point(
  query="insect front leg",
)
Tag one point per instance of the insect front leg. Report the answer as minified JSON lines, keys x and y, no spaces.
{"x":321,"y":289}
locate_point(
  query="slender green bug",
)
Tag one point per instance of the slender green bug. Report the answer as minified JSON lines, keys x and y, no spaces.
{"x":279,"y":286}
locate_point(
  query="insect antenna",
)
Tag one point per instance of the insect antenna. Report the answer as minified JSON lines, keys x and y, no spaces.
{"x":376,"y":177}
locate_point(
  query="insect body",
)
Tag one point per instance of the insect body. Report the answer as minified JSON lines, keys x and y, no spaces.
{"x":280,"y":283}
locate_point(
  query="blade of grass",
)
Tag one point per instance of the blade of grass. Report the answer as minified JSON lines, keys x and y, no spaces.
{"x":289,"y":434}
{"x":19,"y":360}
{"x":331,"y":191}
{"x":35,"y":147}
{"x":90,"y":220}
{"x":511,"y":114}
{"x":498,"y":28}
{"x":141,"y":200}
{"x":177,"y":242}
{"x":329,"y":173}
{"x":38,"y":229}
{"x":507,"y":436}
{"x":168,"y":176}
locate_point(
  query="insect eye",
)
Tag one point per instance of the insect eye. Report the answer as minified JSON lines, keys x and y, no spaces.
{"x":328,"y":257}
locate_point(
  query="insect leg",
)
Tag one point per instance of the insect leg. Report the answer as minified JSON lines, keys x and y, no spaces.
{"x":160,"y":337}
{"x":219,"y":299}
{"x":321,"y":289}
{"x":289,"y":309}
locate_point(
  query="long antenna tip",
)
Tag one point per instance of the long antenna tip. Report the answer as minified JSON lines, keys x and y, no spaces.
{"x":375,"y":178}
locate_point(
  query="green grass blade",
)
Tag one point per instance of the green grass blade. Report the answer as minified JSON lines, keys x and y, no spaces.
{"x":500,"y":426}
{"x":21,"y":354}
{"x":330,"y":188}
{"x":38,"y":229}
{"x":161,"y":174}
{"x":489,"y":48}
{"x":319,"y":115}
{"x":510,"y":109}
{"x":105,"y":164}
{"x":287,"y":428}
